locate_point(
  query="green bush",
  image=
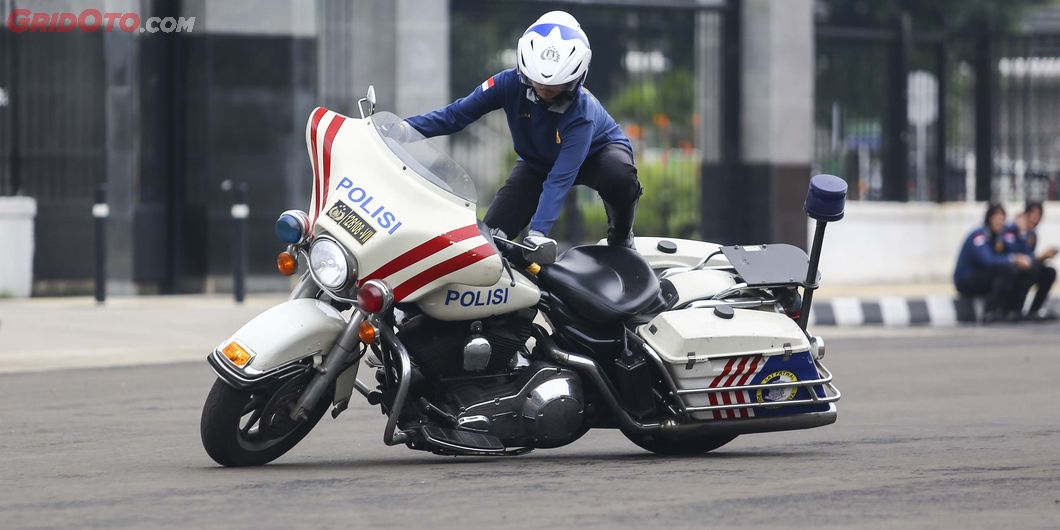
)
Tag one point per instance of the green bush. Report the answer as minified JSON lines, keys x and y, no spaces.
{"x":669,"y":206}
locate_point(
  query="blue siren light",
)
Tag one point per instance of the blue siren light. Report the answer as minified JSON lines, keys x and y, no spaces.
{"x":826,"y":198}
{"x":292,"y":227}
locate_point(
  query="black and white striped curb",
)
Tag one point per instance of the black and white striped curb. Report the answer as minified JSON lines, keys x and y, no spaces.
{"x":901,"y":311}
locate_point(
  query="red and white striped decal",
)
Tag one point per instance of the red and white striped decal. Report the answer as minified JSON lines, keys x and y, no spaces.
{"x":738,"y":371}
{"x":487,"y":84}
{"x":426,"y":250}
{"x":448,"y":266}
{"x":321,"y":156}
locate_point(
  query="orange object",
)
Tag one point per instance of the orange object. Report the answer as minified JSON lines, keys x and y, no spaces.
{"x":237,"y":354}
{"x":286,"y":263}
{"x":366,"y":333}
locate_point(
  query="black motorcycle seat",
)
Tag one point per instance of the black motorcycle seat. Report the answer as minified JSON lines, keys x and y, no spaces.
{"x":601,"y":283}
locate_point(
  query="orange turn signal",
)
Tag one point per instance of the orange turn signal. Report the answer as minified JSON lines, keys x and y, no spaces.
{"x":237,"y":354}
{"x":286,"y":263}
{"x":366,"y":333}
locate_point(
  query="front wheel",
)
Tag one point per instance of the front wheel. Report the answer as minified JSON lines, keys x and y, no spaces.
{"x":253,"y":428}
{"x":681,"y":445}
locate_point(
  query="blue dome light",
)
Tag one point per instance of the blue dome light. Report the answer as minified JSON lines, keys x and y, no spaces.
{"x":826,"y":198}
{"x":291,"y":227}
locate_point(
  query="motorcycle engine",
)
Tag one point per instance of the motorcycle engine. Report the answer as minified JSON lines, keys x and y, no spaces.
{"x":481,"y":379}
{"x":447,"y":350}
{"x":543,"y":407}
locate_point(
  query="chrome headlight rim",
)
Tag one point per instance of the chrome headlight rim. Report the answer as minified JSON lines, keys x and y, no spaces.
{"x":351,"y":264}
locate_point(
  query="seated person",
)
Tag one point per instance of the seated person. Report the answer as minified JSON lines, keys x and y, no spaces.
{"x":988,"y":266}
{"x":1022,"y":233}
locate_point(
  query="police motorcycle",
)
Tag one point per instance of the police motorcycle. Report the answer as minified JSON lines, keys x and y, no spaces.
{"x":478,"y":345}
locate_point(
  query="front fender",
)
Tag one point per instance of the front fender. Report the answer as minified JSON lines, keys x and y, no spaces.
{"x":286,"y":333}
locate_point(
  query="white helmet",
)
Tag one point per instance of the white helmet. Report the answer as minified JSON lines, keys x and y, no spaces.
{"x":554,"y":51}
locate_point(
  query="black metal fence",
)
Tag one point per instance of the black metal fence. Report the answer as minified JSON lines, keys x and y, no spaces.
{"x":936,"y":117}
{"x":656,"y":70}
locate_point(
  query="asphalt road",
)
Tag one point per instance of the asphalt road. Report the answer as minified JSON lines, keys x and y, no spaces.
{"x":937,"y":429}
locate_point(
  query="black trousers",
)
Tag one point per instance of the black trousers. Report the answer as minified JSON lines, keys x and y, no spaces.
{"x":610,"y":171}
{"x":1000,"y":284}
{"x":1039,"y":276}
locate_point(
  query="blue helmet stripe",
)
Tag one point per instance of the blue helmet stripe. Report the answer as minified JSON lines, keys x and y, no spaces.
{"x":565,"y":32}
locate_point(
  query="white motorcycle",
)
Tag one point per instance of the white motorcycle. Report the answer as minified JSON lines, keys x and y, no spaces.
{"x":483,"y":346}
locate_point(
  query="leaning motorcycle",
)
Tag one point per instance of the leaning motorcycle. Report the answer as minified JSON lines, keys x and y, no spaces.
{"x":482,"y":346}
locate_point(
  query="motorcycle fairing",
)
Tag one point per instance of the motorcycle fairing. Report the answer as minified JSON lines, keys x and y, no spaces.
{"x":401,"y":229}
{"x":288,"y":332}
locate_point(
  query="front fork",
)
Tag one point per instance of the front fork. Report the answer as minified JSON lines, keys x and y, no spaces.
{"x":345,"y":350}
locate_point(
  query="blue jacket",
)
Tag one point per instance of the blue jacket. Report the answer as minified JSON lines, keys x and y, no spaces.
{"x":1022,"y":242}
{"x":553,"y":139}
{"x":981,"y":250}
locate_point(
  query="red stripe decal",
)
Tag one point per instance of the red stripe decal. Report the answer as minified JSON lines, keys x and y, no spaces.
{"x":724,"y":372}
{"x":422,"y":251}
{"x":740,"y":367}
{"x":448,"y":266}
{"x":329,"y":137}
{"x":725,"y":401}
{"x":750,"y":373}
{"x":490,"y":81}
{"x":317,"y":115}
{"x":739,"y":399}
{"x":714,"y":401}
{"x":713,"y":396}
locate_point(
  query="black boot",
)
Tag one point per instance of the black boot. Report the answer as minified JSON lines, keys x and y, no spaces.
{"x":620,"y":224}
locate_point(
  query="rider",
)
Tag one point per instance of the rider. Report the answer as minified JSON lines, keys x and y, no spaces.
{"x":987,"y":265}
{"x":562,"y":134}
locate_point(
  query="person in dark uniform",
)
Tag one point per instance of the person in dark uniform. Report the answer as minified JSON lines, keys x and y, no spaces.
{"x":989,"y":266}
{"x":1024,"y":237}
{"x":561,"y":132}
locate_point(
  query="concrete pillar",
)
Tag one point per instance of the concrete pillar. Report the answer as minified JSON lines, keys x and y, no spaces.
{"x":401,"y":47}
{"x":777,"y":109}
{"x":753,"y":191}
{"x":122,"y":166}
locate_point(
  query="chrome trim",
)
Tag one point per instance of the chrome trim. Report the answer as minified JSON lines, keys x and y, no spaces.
{"x":327,"y":291}
{"x":661,"y":365}
{"x":727,"y":292}
{"x":832,"y":394}
{"x":474,"y":423}
{"x":804,"y":420}
{"x":352,"y":265}
{"x":392,"y":435}
{"x":521,"y":394}
{"x":701,"y":264}
{"x":307,"y":286}
{"x":303,"y":220}
{"x":551,"y":390}
{"x":388,"y":293}
{"x":701,"y":303}
{"x":234,"y":377}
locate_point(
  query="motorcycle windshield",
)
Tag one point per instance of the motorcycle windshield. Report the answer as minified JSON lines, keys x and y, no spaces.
{"x":423,"y":158}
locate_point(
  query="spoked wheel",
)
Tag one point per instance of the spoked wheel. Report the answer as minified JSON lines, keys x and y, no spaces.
{"x":252,"y":428}
{"x":684,"y":445}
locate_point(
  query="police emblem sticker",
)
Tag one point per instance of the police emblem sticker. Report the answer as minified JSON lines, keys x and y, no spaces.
{"x":348,"y":219}
{"x":777,"y":394}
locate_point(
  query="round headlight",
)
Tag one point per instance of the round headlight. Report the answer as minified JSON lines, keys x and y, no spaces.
{"x":332,"y":266}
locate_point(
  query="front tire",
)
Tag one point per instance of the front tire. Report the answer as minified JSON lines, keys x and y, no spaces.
{"x":251,"y":428}
{"x":680,"y":446}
